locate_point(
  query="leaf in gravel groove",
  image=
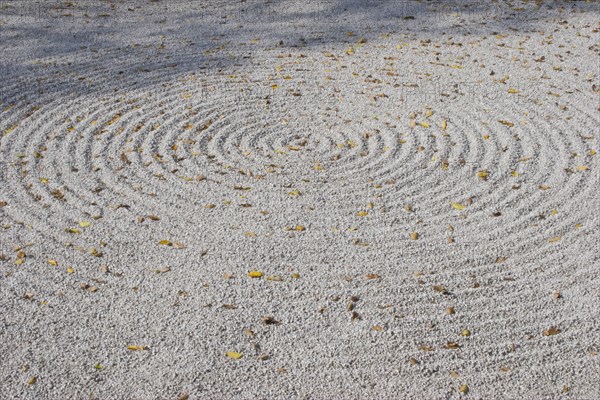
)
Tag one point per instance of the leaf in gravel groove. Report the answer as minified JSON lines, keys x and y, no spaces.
{"x":53,"y":262}
{"x":165,"y":242}
{"x":458,"y":206}
{"x":464,"y":389}
{"x":373,"y":276}
{"x":425,"y":348}
{"x":554,"y":239}
{"x":440,"y":289}
{"x":84,"y":224}
{"x":452,"y":345}
{"x":32,"y":380}
{"x":509,"y":124}
{"x":414,"y":236}
{"x":294,"y":193}
{"x":362,"y":213}
{"x":255,"y":274}
{"x":551,"y":331}
{"x":234,"y":355}
{"x":483,"y":175}
{"x":136,"y":348}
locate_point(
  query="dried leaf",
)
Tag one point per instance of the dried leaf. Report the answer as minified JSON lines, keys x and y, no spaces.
{"x":457,"y":206}
{"x":234,"y":355}
{"x":255,"y":274}
{"x":136,"y":348}
{"x":551,"y":331}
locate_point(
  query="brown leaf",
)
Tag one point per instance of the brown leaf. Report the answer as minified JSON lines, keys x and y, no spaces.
{"x":269,"y":321}
{"x":440,"y":288}
{"x":551,"y":331}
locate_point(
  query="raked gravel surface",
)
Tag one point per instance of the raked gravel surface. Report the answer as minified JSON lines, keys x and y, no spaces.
{"x":415,"y":186}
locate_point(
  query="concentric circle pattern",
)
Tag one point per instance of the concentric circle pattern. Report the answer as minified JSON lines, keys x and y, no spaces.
{"x":417,"y":184}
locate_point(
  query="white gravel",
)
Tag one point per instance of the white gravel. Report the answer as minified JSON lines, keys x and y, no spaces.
{"x":378,"y":161}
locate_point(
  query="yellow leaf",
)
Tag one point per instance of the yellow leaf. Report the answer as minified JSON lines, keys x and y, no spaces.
{"x":458,"y":206}
{"x":582,"y":168}
{"x":32,"y":380}
{"x":70,"y":270}
{"x":362,"y":213}
{"x":424,"y":124}
{"x":299,"y":228}
{"x":53,"y":262}
{"x":234,"y":355}
{"x":514,"y":174}
{"x":136,"y":348}
{"x":84,"y":224}
{"x":414,"y":236}
{"x":513,"y":91}
{"x":255,"y":274}
{"x":509,"y":124}
{"x":44,"y":180}
{"x":318,"y":167}
{"x":483,"y":174}
{"x":294,"y":193}
{"x":444,"y":125}
{"x":486,"y":137}
{"x":250,"y":234}
{"x":165,"y":242}
{"x":352,"y":144}
{"x":554,"y":239}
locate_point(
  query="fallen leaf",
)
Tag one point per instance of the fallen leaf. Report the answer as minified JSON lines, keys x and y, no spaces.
{"x":457,"y":206}
{"x":269,"y":321}
{"x":464,"y":389}
{"x":234,"y":355}
{"x":551,"y":331}
{"x":440,"y":289}
{"x":53,"y":262}
{"x":84,"y":224}
{"x":136,"y":348}
{"x":509,"y":124}
{"x":255,"y":274}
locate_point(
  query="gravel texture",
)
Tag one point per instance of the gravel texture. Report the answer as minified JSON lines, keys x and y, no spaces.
{"x":414,"y":186}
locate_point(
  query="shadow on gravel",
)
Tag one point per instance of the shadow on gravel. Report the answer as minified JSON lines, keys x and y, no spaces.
{"x":107,"y":46}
